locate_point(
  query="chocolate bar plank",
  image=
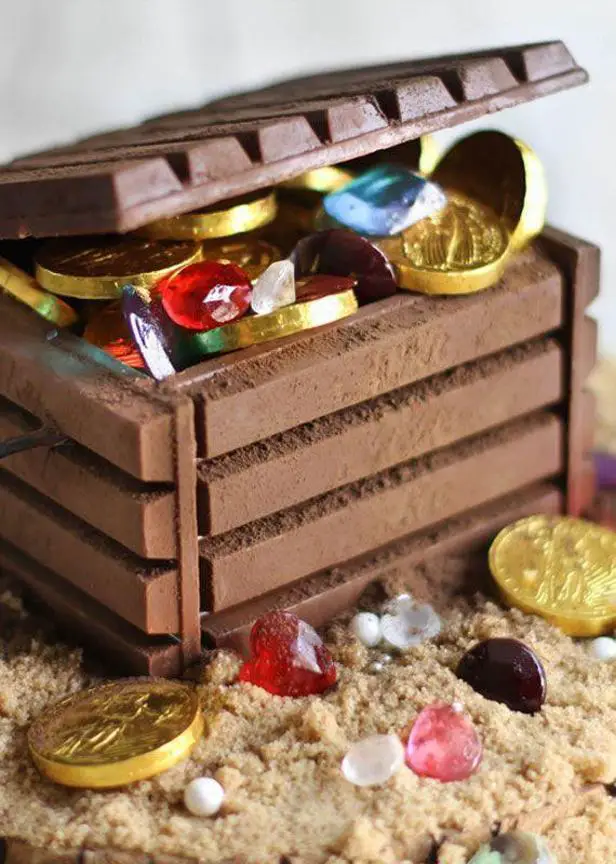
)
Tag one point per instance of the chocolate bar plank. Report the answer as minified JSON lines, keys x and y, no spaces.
{"x":365,"y":515}
{"x":106,"y":634}
{"x":279,"y":473}
{"x":144,"y":593}
{"x":77,"y":389}
{"x":386,"y":345}
{"x":188,"y":589}
{"x":322,"y":597}
{"x":139,"y":517}
{"x":580,"y":263}
{"x":359,"y":112}
{"x":531,"y":62}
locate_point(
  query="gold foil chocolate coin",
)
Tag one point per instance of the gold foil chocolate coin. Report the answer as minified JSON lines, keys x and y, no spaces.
{"x":236,"y":217}
{"x":253,"y":256}
{"x":319,"y":303}
{"x":116,"y":734}
{"x":96,"y":268}
{"x":24,"y":288}
{"x":502,"y":173}
{"x":461,"y":249}
{"x":561,"y":568}
{"x":327,"y":179}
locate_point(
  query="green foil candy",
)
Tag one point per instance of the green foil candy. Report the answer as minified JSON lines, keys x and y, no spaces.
{"x":514,"y":847}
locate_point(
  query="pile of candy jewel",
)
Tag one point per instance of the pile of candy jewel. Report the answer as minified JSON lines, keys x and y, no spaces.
{"x":281,"y":261}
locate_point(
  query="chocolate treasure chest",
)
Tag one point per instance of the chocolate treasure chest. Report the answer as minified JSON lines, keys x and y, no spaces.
{"x":292,"y":472}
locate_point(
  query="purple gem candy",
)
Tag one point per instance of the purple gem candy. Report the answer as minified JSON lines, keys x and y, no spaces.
{"x":605,"y":466}
{"x":505,"y":670}
{"x":337,"y":252}
{"x":147,"y":331}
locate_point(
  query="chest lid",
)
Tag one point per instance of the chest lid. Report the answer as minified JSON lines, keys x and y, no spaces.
{"x":175,"y":163}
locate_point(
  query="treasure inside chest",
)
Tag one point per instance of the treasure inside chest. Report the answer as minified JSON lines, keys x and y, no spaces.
{"x":293,"y":473}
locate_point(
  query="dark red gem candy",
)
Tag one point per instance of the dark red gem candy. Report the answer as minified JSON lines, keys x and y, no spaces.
{"x":507,"y":671}
{"x":206,"y":295}
{"x":337,"y":252}
{"x":288,"y":657}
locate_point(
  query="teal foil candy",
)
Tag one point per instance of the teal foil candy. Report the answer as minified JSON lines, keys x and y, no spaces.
{"x":384,"y":201}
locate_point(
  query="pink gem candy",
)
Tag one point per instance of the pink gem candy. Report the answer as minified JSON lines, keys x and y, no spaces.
{"x":443,"y":744}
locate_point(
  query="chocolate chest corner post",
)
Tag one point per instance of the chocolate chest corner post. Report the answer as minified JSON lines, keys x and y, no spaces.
{"x":294,"y":473}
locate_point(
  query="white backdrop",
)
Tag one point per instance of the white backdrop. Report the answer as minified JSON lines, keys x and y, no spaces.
{"x":71,"y":67}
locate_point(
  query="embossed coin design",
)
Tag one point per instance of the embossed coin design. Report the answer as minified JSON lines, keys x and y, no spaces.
{"x":21,"y":286}
{"x":237,"y":216}
{"x":97,"y":268}
{"x":116,"y":734}
{"x":461,"y":249}
{"x":253,"y":256}
{"x":561,"y":568}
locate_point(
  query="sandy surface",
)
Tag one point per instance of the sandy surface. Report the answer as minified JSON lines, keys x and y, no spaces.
{"x":279,"y":759}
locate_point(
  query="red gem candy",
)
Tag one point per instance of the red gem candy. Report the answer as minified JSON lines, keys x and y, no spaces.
{"x":206,"y":295}
{"x":288,"y":657}
{"x":443,"y":744}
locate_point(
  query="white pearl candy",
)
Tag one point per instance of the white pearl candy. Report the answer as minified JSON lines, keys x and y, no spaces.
{"x":603,"y":648}
{"x":374,"y":760}
{"x":367,"y":627}
{"x":204,"y":796}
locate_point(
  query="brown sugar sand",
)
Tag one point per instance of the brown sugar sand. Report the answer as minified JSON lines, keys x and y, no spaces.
{"x":279,"y":759}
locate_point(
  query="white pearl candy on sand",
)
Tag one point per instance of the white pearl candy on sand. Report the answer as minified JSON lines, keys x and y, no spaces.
{"x":603,"y":648}
{"x":204,"y":796}
{"x":374,"y":760}
{"x":367,"y":627}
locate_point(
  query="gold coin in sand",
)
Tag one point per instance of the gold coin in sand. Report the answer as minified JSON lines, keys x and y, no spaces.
{"x":116,"y":734}
{"x":252,"y":255}
{"x":97,"y":268}
{"x":236,"y":216}
{"x":461,"y":249}
{"x":561,"y":568}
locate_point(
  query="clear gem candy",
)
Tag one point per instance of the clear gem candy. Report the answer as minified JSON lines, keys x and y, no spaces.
{"x":410,"y":626}
{"x":367,"y":627}
{"x":400,"y":603}
{"x":274,"y":288}
{"x":384,"y":200}
{"x":374,"y":760}
{"x":514,"y":847}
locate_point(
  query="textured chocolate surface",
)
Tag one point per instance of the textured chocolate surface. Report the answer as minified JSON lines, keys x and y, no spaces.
{"x":386,"y":345}
{"x":280,"y":472}
{"x":371,"y":513}
{"x":322,"y":597}
{"x":121,"y":180}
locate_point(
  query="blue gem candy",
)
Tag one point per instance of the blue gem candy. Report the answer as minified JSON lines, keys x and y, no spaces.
{"x":384,"y":201}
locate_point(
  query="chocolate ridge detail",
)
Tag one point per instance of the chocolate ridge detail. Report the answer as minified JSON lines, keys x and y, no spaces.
{"x":320,"y":598}
{"x":278,"y":473}
{"x":122,"y":180}
{"x":368,"y":514}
